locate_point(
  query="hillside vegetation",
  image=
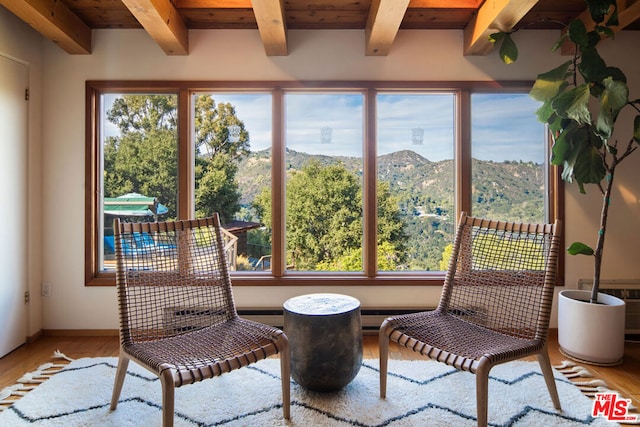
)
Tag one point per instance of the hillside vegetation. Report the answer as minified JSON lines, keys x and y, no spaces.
{"x":425,"y":191}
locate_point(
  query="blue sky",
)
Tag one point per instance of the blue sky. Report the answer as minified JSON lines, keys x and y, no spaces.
{"x":504,"y":126}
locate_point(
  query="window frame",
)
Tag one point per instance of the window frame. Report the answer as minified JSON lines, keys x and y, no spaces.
{"x":462,"y":91}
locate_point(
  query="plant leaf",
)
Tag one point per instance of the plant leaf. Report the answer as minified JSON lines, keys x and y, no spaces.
{"x":588,"y":167}
{"x":545,"y":112}
{"x":508,"y":50}
{"x":614,"y":96}
{"x":496,"y":37}
{"x":592,"y":66}
{"x":547,"y":85}
{"x":636,"y":129}
{"x":600,"y":8}
{"x":558,"y":44}
{"x":568,"y":166}
{"x":561,"y":149}
{"x":574,"y":104}
{"x":614,"y":73}
{"x":576,"y":149}
{"x":594,"y":38}
{"x":577,"y":33}
{"x":581,"y":187}
{"x":613,"y":19}
{"x":555,"y":123}
{"x":579,"y":248}
{"x":606,"y":31}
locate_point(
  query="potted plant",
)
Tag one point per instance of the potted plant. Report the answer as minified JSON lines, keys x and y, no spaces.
{"x":581,"y":101}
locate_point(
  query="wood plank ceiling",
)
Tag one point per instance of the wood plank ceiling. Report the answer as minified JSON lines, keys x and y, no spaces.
{"x":69,"y":23}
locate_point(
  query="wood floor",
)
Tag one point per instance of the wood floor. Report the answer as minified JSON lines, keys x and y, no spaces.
{"x":624,"y":378}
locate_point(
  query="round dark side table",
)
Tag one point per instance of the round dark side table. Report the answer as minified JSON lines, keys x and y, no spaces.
{"x":325,"y":336}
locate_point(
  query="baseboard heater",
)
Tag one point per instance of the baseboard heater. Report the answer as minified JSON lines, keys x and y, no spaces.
{"x":625,"y":289}
{"x":371,"y":318}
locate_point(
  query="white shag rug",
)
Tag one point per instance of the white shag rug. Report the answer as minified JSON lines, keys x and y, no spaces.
{"x":419,"y":393}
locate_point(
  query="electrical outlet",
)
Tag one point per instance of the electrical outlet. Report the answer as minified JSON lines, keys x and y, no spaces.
{"x":46,"y":289}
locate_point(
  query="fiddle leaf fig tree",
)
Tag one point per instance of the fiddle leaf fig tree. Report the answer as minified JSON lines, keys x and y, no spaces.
{"x":582,"y":99}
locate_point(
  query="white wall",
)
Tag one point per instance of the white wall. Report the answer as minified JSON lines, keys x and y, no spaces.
{"x":314,"y":55}
{"x":19,"y":42}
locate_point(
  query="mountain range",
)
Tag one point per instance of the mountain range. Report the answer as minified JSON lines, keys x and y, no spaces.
{"x":509,"y":190}
{"x":498,"y":188}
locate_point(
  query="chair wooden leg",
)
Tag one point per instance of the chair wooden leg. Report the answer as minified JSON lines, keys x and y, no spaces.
{"x":168,"y":398}
{"x":121,"y":372}
{"x":547,"y":372}
{"x":482,"y":394}
{"x":285,"y":374}
{"x":383,"y":343}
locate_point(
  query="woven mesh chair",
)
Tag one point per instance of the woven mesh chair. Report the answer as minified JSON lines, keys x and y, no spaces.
{"x":177,"y":314}
{"x":494,"y":307}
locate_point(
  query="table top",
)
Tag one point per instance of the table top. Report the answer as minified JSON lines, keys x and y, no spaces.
{"x":321,"y":304}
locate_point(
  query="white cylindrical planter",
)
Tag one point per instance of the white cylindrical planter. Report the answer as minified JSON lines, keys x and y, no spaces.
{"x":592,"y":333}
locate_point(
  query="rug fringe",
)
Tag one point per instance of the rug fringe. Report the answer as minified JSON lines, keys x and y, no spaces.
{"x":16,"y":389}
{"x":592,"y":383}
{"x":578,"y":372}
{"x":29,"y":381}
{"x":564,"y":364}
{"x":573,"y":371}
{"x":57,"y":354}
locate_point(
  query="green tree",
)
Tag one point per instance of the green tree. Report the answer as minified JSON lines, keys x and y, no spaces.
{"x":324,"y":220}
{"x":387,"y":255}
{"x":140,"y":114}
{"x":144,"y":162}
{"x":391,"y":229}
{"x":144,"y":157}
{"x":217,"y":188}
{"x":212,"y":123}
{"x":324,"y":214}
{"x":446,"y":257}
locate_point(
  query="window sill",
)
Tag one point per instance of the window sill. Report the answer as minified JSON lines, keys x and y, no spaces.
{"x":315,"y":279}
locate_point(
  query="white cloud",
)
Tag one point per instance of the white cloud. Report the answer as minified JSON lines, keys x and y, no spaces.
{"x":505,"y":128}
{"x":307,"y":114}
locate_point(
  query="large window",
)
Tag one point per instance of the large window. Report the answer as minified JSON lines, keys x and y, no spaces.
{"x":509,"y":150}
{"x":139,"y":180}
{"x":324,"y":139}
{"x":416,"y":141}
{"x":232,"y":136}
{"x":344,"y":184}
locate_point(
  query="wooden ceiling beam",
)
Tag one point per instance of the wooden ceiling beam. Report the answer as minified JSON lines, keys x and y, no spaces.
{"x":385,"y":17}
{"x":445,"y":4}
{"x":163,"y":23}
{"x":272,"y":26}
{"x":493,"y":15}
{"x":55,"y":21}
{"x":213,"y":4}
{"x":246,"y":4}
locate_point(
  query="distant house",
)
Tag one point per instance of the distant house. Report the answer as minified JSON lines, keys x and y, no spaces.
{"x":239,"y":229}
